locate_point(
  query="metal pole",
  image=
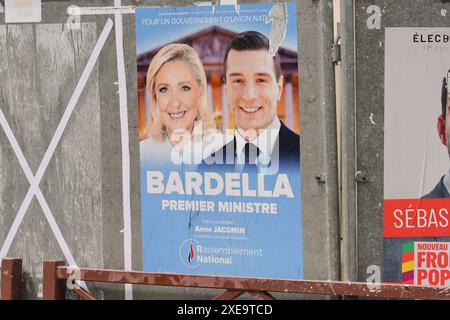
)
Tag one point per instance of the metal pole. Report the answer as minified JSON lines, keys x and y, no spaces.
{"x":349,"y":248}
{"x":329,"y":104}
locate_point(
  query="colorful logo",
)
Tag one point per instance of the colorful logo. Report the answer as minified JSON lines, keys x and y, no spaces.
{"x":191,"y":253}
{"x":408,"y":263}
{"x":187,"y":253}
{"x":426,"y":263}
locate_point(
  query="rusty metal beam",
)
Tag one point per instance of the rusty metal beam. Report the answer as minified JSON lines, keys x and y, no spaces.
{"x":229,"y":295}
{"x":54,"y":288}
{"x":11,"y":279}
{"x":83,"y":293}
{"x":262,"y":295}
{"x":332,"y":288}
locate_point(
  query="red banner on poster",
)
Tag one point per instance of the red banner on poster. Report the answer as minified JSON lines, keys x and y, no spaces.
{"x":416,"y":218}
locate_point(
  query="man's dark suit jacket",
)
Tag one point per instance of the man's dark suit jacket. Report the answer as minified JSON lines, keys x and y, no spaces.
{"x":288,"y":144}
{"x":393,"y":246}
{"x":439,"y":192}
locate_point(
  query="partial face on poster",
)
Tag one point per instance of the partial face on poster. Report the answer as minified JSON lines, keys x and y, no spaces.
{"x":219,"y":140}
{"x":253,"y":88}
{"x":177,"y":96}
{"x":416,"y":151}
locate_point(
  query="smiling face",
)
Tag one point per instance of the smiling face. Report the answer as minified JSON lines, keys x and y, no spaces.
{"x":177,"y":94}
{"x":252,"y":88}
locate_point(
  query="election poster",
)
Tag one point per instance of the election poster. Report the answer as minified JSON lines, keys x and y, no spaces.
{"x":416,"y":156}
{"x":219,"y":132}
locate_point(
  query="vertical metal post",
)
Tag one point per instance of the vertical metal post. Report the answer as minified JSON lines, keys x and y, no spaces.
{"x":11,"y":279}
{"x":53,"y":288}
{"x":349,"y":263}
{"x":329,"y":104}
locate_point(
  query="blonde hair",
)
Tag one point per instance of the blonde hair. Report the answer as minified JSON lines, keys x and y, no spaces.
{"x":187,"y":54}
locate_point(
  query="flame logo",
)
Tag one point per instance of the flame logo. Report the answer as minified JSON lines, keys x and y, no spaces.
{"x":191,"y":253}
{"x":189,"y":260}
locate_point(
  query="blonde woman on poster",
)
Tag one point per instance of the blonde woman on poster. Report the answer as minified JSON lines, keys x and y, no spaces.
{"x":176,"y":85}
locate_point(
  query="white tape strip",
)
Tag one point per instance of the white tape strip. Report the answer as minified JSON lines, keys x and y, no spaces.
{"x":85,"y":11}
{"x":125,"y":147}
{"x":35,"y":180}
{"x":16,"y":224}
{"x":74,"y":99}
{"x":33,"y":190}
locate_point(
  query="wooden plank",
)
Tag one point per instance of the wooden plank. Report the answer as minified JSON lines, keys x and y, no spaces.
{"x":229,"y":295}
{"x":11,"y":279}
{"x":262,"y":295}
{"x":84,"y":294}
{"x":332,"y":288}
{"x":53,"y":288}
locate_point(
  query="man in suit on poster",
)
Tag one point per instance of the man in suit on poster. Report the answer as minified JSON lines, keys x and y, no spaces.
{"x":254,"y":85}
{"x":441,"y":190}
{"x":393,"y":246}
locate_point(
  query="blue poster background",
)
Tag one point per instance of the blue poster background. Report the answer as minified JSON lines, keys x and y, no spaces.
{"x":218,"y":242}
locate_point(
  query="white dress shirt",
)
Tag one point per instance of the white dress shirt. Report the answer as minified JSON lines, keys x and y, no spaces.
{"x":265,"y":141}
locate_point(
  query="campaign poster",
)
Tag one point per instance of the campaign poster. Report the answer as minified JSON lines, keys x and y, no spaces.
{"x":219,"y":132}
{"x":416,"y":156}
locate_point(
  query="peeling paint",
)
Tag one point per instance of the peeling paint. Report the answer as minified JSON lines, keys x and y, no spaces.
{"x":371,"y":119}
{"x":278,"y":17}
